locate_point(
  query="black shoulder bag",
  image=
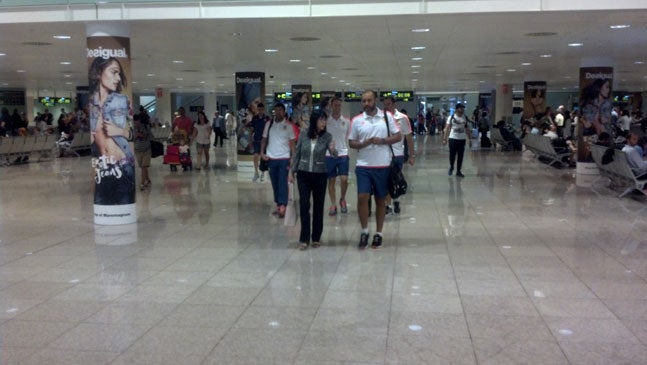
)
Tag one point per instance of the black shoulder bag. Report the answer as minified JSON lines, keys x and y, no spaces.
{"x":397,"y":185}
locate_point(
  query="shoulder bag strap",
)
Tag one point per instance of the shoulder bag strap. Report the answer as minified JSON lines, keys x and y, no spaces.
{"x":388,"y":132}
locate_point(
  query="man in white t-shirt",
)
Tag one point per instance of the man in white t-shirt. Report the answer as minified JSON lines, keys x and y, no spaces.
{"x":339,"y":127}
{"x":559,"y":119}
{"x":398,"y":147}
{"x":370,"y":136}
{"x":456,"y":133}
{"x":277,"y":147}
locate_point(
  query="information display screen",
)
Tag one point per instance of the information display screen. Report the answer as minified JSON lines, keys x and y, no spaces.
{"x":47,"y":100}
{"x":283,"y":97}
{"x":353,"y":96}
{"x":398,"y":95}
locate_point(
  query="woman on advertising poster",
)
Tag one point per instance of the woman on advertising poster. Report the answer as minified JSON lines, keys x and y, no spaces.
{"x":114,"y":161}
{"x":596,"y":107}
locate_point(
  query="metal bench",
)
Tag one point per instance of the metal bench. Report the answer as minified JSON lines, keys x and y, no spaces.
{"x":542,"y":146}
{"x":497,"y":139}
{"x":618,"y":170}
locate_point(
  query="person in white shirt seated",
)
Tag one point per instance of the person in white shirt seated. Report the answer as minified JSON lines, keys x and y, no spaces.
{"x":551,"y":132}
{"x":636,"y":162}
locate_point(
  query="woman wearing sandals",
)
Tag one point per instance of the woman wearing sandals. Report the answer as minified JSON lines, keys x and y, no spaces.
{"x":309,"y":162}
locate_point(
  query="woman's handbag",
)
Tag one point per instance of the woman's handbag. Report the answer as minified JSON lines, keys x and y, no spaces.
{"x":291,"y":209}
{"x":157,"y":149}
{"x":263,"y":165}
{"x":397,"y":185}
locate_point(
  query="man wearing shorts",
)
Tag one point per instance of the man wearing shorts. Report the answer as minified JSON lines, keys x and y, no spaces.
{"x":398,"y":148}
{"x":257,"y":124}
{"x":339,"y":127}
{"x":369,"y":135}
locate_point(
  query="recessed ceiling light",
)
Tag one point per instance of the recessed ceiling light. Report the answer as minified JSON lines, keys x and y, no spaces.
{"x":342,"y":80}
{"x":134,"y":82}
{"x":415,"y":72}
{"x":202,"y":82}
{"x":178,"y":61}
{"x":526,"y":64}
{"x":575,"y":44}
{"x":236,"y":34}
{"x":271,"y":82}
{"x":311,"y":67}
{"x":415,"y":66}
{"x":62,"y":36}
{"x":179,"y":79}
{"x":619,"y":26}
{"x":295,"y":60}
{"x":149,"y":75}
{"x":511,"y":70}
{"x":66,"y":63}
{"x":67,"y":75}
{"x":271,"y":50}
{"x":324,"y":73}
{"x":418,"y":48}
{"x":2,"y":54}
{"x":416,"y":59}
{"x":546,"y":56}
{"x":5,"y":84}
{"x":333,"y":77}
{"x":481,"y":82}
{"x":21,"y":71}
{"x":68,"y":83}
{"x":348,"y":83}
{"x":414,"y":79}
{"x":420,"y":30}
{"x":639,"y":62}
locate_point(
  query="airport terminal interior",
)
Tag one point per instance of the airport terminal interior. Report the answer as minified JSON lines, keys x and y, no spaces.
{"x":519,"y":262}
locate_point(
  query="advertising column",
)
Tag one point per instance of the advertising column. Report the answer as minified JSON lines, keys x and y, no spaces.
{"x":301,"y":105}
{"x":534,"y":100}
{"x":113,"y":160}
{"x":250,"y":91}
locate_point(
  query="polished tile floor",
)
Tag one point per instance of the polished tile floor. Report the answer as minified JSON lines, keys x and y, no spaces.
{"x":514,"y":264}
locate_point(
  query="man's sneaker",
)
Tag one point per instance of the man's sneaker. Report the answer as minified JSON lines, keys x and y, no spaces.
{"x":389,"y":211}
{"x":262,"y":176}
{"x":377,"y":241}
{"x":332,"y":211}
{"x":281,"y":212}
{"x":451,"y":171}
{"x":276,"y":211}
{"x":459,"y":174}
{"x":343,"y":206}
{"x":396,"y":207}
{"x":363,"y":241}
{"x":255,"y":177}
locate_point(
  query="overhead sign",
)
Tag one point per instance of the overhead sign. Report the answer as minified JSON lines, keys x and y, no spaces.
{"x":398,"y":95}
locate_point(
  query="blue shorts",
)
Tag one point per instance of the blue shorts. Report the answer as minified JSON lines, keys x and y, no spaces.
{"x":257,"y":147}
{"x":337,"y":166}
{"x":372,"y":180}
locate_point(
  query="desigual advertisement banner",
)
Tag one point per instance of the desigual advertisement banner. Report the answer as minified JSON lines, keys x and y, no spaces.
{"x":596,"y":105}
{"x":534,"y":100}
{"x":110,"y":108}
{"x":250,"y":91}
{"x":301,"y":105}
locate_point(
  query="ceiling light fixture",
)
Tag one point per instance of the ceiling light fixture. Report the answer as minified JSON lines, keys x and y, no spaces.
{"x":324,"y":73}
{"x":21,"y":71}
{"x":295,"y":61}
{"x":418,"y":48}
{"x":2,"y":54}
{"x":178,"y":61}
{"x":415,"y":72}
{"x":620,"y":26}
{"x":546,"y":55}
{"x":526,"y":64}
{"x":62,"y":36}
{"x":511,"y":70}
{"x":311,"y":68}
{"x":179,"y":79}
{"x":68,"y":75}
{"x":66,"y":63}
{"x":575,"y":44}
{"x":415,"y":66}
{"x":639,"y":62}
{"x":420,"y":30}
{"x":271,"y":50}
{"x":416,"y":59}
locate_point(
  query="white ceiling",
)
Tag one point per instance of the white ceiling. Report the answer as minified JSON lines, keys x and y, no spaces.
{"x":464,"y":52}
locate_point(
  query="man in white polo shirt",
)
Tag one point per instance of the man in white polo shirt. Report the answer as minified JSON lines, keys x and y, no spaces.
{"x":276,"y":147}
{"x":369,"y":135}
{"x":339,"y":127}
{"x":398,"y":147}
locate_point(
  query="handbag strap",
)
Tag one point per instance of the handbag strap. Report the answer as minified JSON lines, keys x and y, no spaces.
{"x":388,"y":132}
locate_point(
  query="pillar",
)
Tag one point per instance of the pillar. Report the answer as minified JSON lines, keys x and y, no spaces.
{"x":503,"y":106}
{"x":110,"y":106}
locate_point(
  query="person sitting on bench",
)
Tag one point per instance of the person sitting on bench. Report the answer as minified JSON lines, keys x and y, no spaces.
{"x":635,"y":160}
